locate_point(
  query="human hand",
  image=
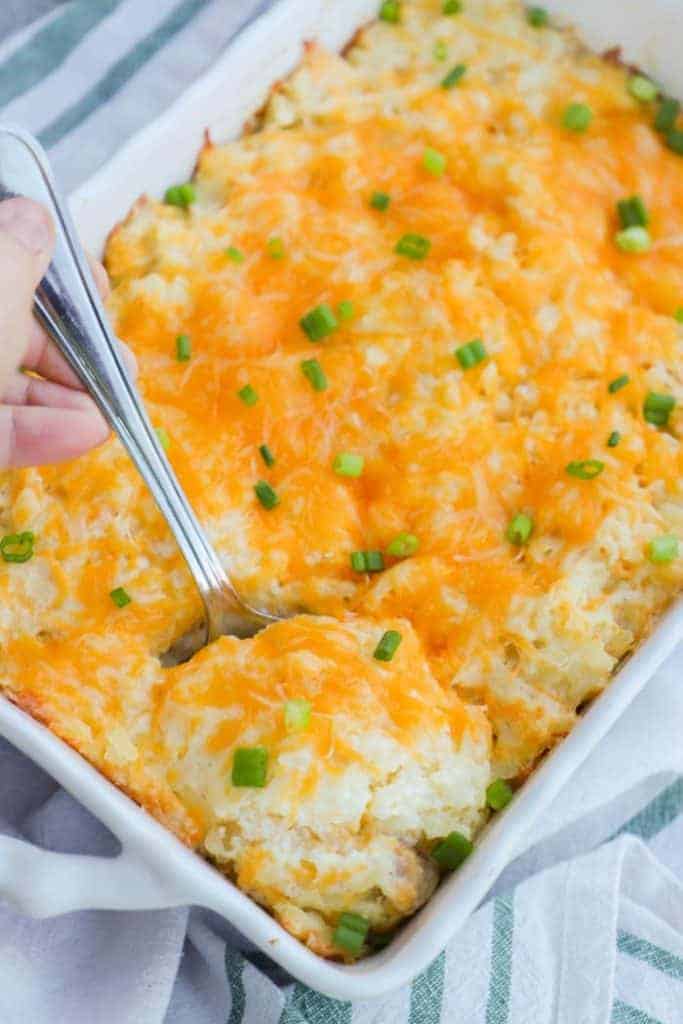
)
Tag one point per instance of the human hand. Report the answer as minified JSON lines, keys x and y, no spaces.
{"x":44,"y":418}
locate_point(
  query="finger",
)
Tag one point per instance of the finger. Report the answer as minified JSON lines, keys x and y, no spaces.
{"x":23,"y":389}
{"x":35,"y":436}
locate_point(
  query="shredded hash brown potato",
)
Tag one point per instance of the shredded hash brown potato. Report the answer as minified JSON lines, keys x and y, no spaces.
{"x":502,"y":640}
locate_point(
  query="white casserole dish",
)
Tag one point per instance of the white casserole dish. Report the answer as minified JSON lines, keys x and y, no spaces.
{"x":154,"y":869}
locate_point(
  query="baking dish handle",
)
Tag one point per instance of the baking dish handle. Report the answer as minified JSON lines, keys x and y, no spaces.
{"x":42,"y":883}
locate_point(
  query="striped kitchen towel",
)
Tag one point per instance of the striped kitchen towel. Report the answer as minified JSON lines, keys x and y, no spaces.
{"x":585,"y":927}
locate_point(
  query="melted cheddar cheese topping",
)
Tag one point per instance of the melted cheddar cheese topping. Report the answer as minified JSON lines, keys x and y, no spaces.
{"x":502,"y":643}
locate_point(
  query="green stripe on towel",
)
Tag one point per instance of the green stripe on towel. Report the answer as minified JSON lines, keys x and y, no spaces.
{"x":498,"y":1004}
{"x":661,"y":959}
{"x":426,"y":994}
{"x":122,"y":71}
{"x":304,"y":1006}
{"x":234,"y":970}
{"x":659,"y":813}
{"x":50,"y":46}
{"x":622,"y":1013}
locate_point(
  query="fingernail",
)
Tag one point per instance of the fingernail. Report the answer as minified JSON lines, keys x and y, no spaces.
{"x":27,"y":223}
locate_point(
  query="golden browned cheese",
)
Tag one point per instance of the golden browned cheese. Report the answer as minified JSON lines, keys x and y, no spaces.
{"x":502,"y":643}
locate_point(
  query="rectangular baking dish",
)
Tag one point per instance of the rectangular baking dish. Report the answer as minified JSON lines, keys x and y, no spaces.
{"x":154,"y":869}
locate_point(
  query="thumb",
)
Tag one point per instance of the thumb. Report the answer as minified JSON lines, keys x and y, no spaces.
{"x":26,"y":243}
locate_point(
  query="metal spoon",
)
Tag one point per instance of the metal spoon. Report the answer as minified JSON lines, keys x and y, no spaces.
{"x":68,"y":306}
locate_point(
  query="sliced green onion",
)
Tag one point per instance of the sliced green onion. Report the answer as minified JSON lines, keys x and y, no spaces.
{"x":297,"y":714}
{"x":248,"y":394}
{"x":588,"y":469}
{"x":635,"y":239}
{"x":367,"y":561}
{"x":440,"y":50}
{"x":403,"y":545}
{"x":380,"y":201}
{"x":415,"y":247}
{"x":454,"y":76}
{"x":390,"y":11}
{"x":662,"y":550}
{"x":183,"y":348}
{"x":657,"y":408}
{"x":351,"y":933}
{"x":633,"y":212}
{"x":249,"y":767}
{"x":520,"y":529}
{"x":164,"y":439}
{"x":276,"y":248}
{"x":236,"y":255}
{"x":345,"y":310}
{"x":388,"y":645}
{"x":267,"y":455}
{"x":120,"y":597}
{"x":314,"y":373}
{"x":577,"y":117}
{"x":17,"y":547}
{"x":618,"y":383}
{"x":452,"y":851}
{"x":537,"y":17}
{"x":348,"y":464}
{"x":433,"y":161}
{"x":181,"y":195}
{"x":499,"y":794}
{"x":678,"y":315}
{"x":674,"y":141}
{"x":614,"y":439}
{"x":266,"y":495}
{"x":471,"y":354}
{"x":642,"y":89}
{"x":319,"y":322}
{"x":667,"y":115}
{"x":451,"y":7}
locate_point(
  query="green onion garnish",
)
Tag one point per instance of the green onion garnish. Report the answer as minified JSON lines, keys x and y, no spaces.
{"x":267,"y":455}
{"x":276,"y":248}
{"x":662,"y":550}
{"x":380,"y":201}
{"x":634,"y":239}
{"x":415,"y":247}
{"x":120,"y":597}
{"x":471,"y":354}
{"x":181,"y":195}
{"x":314,"y":373}
{"x":499,"y":794}
{"x":348,"y":464}
{"x":451,"y":7}
{"x":367,"y":561}
{"x":390,"y":11}
{"x":657,"y":408}
{"x":520,"y":529}
{"x":667,"y":114}
{"x":351,"y":933}
{"x":452,"y":851}
{"x":633,"y":212}
{"x":345,"y":310}
{"x":388,"y":645}
{"x":618,"y":383}
{"x":17,"y":547}
{"x":588,"y":469}
{"x":642,"y":89}
{"x":674,"y":141}
{"x":614,"y":439}
{"x":577,"y":117}
{"x":248,"y":394}
{"x":453,"y":76}
{"x":403,"y":545}
{"x":433,"y":161}
{"x":266,"y":495}
{"x":183,"y":348}
{"x":297,"y":714}
{"x":164,"y":439}
{"x":537,"y":17}
{"x":319,"y":322}
{"x":440,"y":50}
{"x":249,"y":767}
{"x":236,"y":255}
{"x":678,"y":315}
